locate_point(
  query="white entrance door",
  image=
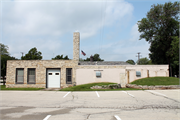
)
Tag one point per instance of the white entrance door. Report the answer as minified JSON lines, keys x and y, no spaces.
{"x":53,"y":78}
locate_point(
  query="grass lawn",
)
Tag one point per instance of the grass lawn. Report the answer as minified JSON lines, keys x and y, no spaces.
{"x":157,"y":81}
{"x":3,"y":87}
{"x":86,"y":87}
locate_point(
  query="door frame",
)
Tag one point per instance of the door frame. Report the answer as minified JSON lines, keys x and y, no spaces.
{"x":47,"y":76}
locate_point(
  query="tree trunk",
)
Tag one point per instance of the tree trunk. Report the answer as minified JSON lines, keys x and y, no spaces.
{"x":3,"y":80}
{"x":170,"y":67}
{"x":170,"y":70}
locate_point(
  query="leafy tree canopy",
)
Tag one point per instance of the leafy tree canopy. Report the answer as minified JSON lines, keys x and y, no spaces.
{"x":144,"y":61}
{"x":174,"y":50}
{"x":160,"y":28}
{"x":4,"y":59}
{"x":96,"y":57}
{"x":131,"y":62}
{"x":33,"y":54}
{"x":58,"y":57}
{"x":4,"y":49}
{"x":80,"y":59}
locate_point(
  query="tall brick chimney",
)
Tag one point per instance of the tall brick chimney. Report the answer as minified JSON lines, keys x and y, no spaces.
{"x":91,"y":58}
{"x":76,"y":42}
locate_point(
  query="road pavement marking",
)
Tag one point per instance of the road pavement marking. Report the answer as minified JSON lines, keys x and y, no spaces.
{"x":127,"y":93}
{"x":156,"y":93}
{"x":124,"y":92}
{"x":117,"y":117}
{"x":47,"y":117}
{"x":130,"y":94}
{"x":66,"y":94}
{"x":97,"y":94}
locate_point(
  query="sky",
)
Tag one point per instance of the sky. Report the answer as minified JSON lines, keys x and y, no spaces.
{"x":107,"y":27}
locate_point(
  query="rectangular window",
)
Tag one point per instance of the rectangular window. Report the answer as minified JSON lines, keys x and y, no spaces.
{"x":31,"y":76}
{"x":19,"y":75}
{"x":50,"y":73}
{"x":69,"y":75}
{"x":57,"y":74}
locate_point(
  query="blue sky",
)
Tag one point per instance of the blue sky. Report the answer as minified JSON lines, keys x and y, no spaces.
{"x":107,"y":27}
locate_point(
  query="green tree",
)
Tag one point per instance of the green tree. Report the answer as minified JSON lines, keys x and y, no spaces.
{"x":4,"y":49}
{"x":4,"y":54}
{"x":66,"y":58}
{"x":4,"y":59}
{"x":174,"y":53}
{"x":58,"y":57}
{"x":96,"y":57}
{"x":143,"y":61}
{"x":80,"y":59}
{"x":159,"y":28}
{"x":87,"y":59}
{"x":33,"y":54}
{"x":131,"y":62}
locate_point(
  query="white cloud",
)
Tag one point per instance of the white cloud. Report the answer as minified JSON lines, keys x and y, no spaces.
{"x":43,"y":23}
{"x":134,"y":33}
{"x":57,"y":18}
{"x":123,"y":49}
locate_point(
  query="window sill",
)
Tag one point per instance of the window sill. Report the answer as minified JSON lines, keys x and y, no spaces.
{"x":19,"y":83}
{"x":69,"y":83}
{"x":31,"y":83}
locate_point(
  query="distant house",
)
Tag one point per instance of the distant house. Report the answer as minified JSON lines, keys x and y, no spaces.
{"x":65,"y":73}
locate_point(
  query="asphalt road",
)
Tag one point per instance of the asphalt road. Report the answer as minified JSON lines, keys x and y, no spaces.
{"x":108,"y":105}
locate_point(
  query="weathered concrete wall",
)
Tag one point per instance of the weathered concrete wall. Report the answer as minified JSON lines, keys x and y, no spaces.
{"x":87,"y":74}
{"x":121,"y":74}
{"x":147,"y":70}
{"x":40,"y":66}
{"x":132,"y":74}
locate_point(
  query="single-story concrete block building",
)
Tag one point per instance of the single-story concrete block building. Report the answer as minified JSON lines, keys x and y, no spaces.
{"x":65,"y":73}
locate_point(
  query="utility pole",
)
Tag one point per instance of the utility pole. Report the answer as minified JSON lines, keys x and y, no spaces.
{"x":22,"y":54}
{"x":138,"y":57}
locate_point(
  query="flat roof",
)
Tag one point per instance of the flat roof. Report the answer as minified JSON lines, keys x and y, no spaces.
{"x":103,"y":63}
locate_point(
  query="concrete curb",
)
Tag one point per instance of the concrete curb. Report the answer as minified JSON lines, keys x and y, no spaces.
{"x":157,"y":87}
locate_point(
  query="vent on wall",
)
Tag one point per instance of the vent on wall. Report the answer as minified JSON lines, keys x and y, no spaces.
{"x":98,"y":74}
{"x":138,"y":74}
